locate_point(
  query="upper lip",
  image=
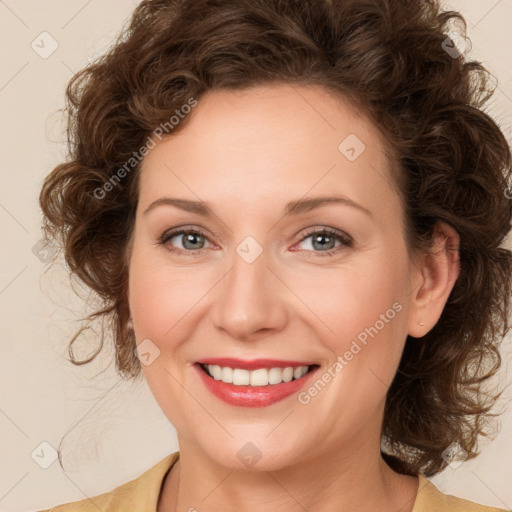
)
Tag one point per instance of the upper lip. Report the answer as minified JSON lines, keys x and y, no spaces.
{"x":253,"y":364}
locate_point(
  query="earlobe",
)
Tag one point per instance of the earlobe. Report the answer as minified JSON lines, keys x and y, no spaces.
{"x":439,"y":271}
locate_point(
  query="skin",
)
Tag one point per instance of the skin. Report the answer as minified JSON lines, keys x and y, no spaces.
{"x":247,"y":153}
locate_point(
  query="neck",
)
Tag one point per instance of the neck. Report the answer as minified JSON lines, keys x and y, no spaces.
{"x":352,"y":477}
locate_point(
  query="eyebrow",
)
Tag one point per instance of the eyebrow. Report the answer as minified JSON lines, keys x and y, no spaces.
{"x":292,"y":208}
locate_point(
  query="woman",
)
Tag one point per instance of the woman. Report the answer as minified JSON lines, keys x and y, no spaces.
{"x":294,"y":212}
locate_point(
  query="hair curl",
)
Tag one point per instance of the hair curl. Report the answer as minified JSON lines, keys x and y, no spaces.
{"x":452,"y":164}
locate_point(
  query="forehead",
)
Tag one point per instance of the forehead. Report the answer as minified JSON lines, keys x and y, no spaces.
{"x":268,"y":142}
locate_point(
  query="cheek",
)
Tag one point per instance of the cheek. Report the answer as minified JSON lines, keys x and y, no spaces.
{"x":350,"y":301}
{"x":154,"y":299}
{"x":365,"y":315}
{"x":161,"y":303}
{"x":166,"y":299}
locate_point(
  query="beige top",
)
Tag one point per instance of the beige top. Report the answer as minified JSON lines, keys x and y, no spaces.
{"x":142,"y":493}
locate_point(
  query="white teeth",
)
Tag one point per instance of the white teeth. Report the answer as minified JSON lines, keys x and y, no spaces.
{"x":288,"y":374}
{"x":241,"y":377}
{"x":259,"y":377}
{"x":226,"y":374}
{"x":275,"y":376}
{"x":216,"y":372}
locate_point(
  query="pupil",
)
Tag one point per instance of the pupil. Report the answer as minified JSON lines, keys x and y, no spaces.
{"x":190,"y":238}
{"x":319,"y":237}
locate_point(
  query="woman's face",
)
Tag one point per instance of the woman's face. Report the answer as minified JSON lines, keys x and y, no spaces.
{"x":252,"y":281}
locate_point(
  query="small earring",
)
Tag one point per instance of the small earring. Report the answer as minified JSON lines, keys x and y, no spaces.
{"x":421,"y":323}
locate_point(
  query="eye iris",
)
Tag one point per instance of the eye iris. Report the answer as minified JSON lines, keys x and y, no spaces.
{"x":190,"y":237}
{"x":323,"y":240}
{"x":316,"y":238}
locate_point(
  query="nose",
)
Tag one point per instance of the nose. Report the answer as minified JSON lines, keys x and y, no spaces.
{"x":252,"y":301}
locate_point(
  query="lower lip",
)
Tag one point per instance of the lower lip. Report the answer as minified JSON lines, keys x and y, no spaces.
{"x":252,"y":396}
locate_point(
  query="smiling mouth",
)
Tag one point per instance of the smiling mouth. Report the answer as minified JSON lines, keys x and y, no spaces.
{"x":259,"y":377}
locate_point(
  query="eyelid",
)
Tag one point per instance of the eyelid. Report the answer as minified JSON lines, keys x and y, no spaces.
{"x":346,"y":241}
{"x":323,"y":229}
{"x":177,"y":230}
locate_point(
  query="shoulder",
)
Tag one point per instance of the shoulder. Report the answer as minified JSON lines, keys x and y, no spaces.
{"x":430,"y":498}
{"x":139,"y":494}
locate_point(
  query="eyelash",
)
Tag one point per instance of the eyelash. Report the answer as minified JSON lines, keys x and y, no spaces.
{"x":346,"y":241}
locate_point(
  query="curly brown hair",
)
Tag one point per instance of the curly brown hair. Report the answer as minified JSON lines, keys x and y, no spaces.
{"x":451,"y":163}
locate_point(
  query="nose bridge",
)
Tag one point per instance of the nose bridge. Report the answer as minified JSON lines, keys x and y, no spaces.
{"x":250,"y":301}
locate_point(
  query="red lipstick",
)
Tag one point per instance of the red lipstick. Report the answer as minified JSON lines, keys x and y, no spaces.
{"x":252,"y":396}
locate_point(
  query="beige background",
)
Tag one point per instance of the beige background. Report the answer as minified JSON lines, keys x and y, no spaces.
{"x":113,"y":430}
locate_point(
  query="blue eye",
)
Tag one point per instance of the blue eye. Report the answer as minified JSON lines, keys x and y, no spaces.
{"x":325,"y":239}
{"x":191,"y":240}
{"x":323,"y":242}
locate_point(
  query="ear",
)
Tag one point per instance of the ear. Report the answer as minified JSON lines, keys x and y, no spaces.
{"x":436,"y":276}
